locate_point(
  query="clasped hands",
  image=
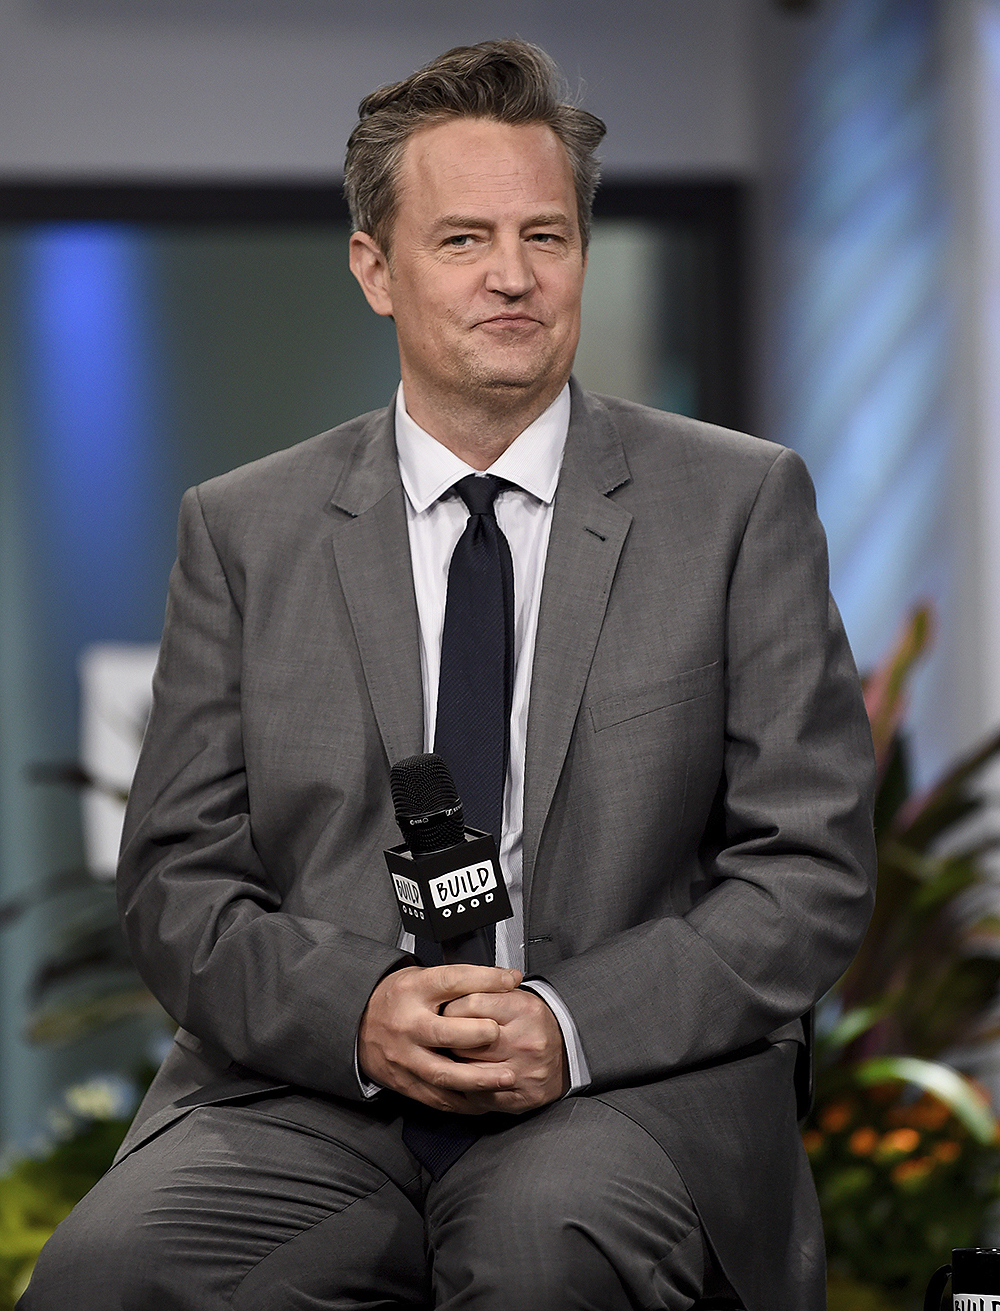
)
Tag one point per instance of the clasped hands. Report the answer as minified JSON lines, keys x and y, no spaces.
{"x":463,"y":1038}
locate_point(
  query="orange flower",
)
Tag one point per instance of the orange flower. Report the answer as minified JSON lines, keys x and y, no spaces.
{"x":812,"y":1141}
{"x":863,"y":1141}
{"x":909,"y":1172}
{"x":835,"y":1117}
{"x":934,"y":1113}
{"x":927,"y":1112}
{"x":947,"y":1150}
{"x":899,"y":1142}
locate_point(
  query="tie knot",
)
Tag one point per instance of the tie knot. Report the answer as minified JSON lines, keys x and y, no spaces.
{"x":479,"y":491}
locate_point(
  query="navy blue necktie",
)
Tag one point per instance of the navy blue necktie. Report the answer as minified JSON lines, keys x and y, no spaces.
{"x":472,"y":732}
{"x":476,"y":686}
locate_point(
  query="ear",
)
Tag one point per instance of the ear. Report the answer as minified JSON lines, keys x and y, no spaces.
{"x":371,"y":268}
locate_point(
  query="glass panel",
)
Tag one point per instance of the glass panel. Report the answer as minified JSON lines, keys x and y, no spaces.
{"x":639,"y":338}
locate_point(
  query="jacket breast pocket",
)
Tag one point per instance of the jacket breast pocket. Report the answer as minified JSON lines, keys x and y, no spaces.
{"x":633,"y":702}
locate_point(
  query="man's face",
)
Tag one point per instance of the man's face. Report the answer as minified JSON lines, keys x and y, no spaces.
{"x":486,"y":271}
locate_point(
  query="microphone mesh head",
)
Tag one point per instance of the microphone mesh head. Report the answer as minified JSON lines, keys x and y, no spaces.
{"x":423,"y":785}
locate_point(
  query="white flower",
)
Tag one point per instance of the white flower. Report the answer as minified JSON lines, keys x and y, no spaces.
{"x":106,"y":1097}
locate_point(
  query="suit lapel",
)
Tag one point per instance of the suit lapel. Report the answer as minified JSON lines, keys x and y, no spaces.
{"x":586,"y":540}
{"x":372,"y":558}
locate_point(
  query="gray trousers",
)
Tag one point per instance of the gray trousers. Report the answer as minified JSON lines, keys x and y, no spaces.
{"x":291,"y":1202}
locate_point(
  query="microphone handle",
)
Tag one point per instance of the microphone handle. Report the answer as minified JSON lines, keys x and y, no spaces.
{"x":473,"y":948}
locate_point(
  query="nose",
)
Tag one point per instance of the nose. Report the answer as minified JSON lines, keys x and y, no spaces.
{"x":509,"y":271}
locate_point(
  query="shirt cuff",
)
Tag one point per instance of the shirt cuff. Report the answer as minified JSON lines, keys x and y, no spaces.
{"x":579,"y":1071}
{"x":368,"y":1089}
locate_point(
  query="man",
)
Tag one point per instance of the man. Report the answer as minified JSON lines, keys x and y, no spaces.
{"x":686,"y":828}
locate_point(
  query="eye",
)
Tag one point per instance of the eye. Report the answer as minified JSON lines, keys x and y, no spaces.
{"x":459,"y":240}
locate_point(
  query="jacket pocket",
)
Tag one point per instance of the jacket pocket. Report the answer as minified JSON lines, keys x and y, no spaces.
{"x":673,"y":691}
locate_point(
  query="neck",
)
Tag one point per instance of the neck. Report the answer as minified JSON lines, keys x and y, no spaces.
{"x":477,"y":430}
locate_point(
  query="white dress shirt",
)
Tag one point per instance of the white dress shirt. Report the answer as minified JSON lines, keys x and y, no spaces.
{"x":524,"y":513}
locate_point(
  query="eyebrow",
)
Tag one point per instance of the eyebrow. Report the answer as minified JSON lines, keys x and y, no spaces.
{"x":551,"y":220}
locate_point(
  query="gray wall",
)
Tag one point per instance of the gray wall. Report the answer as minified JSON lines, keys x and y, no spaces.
{"x":252,"y":87}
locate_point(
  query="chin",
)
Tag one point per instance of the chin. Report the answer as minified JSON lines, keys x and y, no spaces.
{"x":511,"y":379}
{"x":507,"y":393}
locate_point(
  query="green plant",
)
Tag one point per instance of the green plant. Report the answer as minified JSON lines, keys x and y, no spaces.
{"x":904,"y":1146}
{"x":84,"y":983}
{"x":86,"y":980}
{"x":40,"y":1190}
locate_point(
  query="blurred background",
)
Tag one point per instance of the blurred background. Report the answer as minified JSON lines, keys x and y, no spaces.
{"x":798,"y":234}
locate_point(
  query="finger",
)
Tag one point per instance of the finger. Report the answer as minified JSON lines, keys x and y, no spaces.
{"x":515,"y":1101}
{"x":437,"y":1080}
{"x":490,"y":1103}
{"x":458,"y":1103}
{"x":446,"y":982}
{"x":509,"y":1102}
{"x":445,"y":1076}
{"x":502,"y":1007}
{"x":495,"y":1052}
{"x":459,"y":1034}
{"x":441,"y":1099}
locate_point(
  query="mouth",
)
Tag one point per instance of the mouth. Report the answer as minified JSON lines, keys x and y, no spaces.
{"x":503,"y":321}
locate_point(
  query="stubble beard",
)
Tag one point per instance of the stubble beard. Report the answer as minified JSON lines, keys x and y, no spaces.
{"x":507,"y":387}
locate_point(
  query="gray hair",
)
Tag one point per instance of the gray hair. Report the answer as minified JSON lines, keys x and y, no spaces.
{"x":507,"y":81}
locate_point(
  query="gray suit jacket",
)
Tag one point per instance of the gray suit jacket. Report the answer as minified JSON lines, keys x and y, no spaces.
{"x":698,"y":860}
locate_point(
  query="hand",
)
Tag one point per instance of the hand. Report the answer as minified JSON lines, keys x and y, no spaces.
{"x":529,"y":1043}
{"x":403,"y":1031}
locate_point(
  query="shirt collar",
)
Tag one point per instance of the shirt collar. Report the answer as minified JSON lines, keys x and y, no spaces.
{"x":531,"y":461}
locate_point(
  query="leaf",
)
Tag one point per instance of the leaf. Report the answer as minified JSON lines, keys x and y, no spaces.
{"x":71,"y":774}
{"x":69,"y":880}
{"x":852,"y":1024}
{"x":944,"y":1000}
{"x":954,"y":1089}
{"x":885,"y":686}
{"x":893,"y":787}
{"x":944,"y":880}
{"x":845,"y":1294}
{"x":90,"y":956}
{"x":982,"y":936}
{"x":102,"y":951}
{"x":63,"y":1023}
{"x":926,"y":817}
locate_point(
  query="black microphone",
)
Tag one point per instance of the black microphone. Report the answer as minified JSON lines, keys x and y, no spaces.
{"x":446,"y":877}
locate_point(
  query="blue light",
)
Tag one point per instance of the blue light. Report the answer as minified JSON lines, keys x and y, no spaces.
{"x":93,"y":420}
